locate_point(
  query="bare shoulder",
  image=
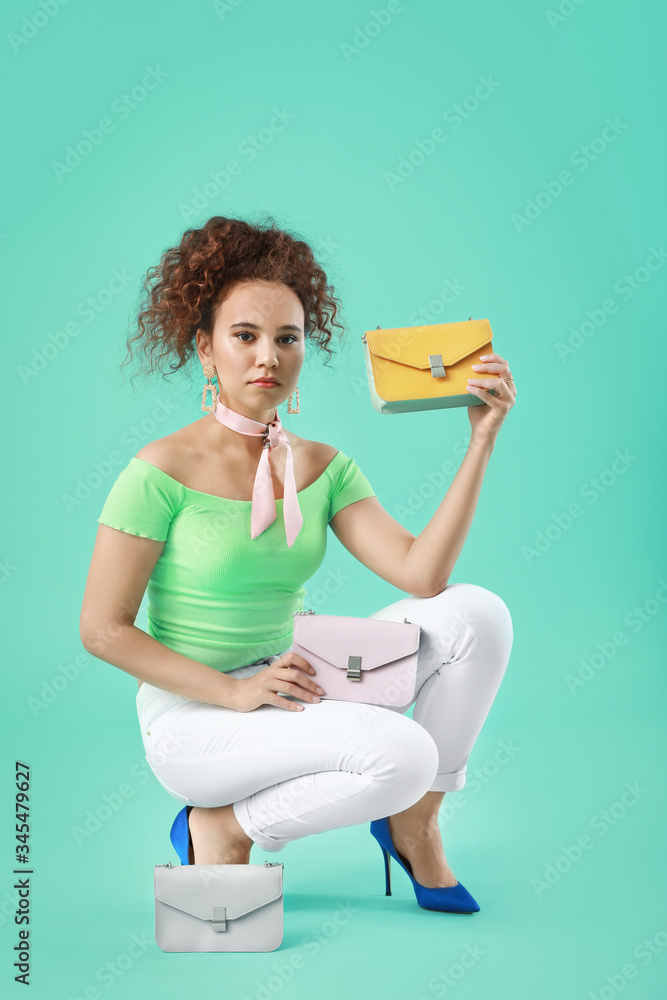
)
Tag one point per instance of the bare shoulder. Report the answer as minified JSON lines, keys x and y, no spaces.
{"x":169,"y":453}
{"x":315,"y":454}
{"x":180,"y":454}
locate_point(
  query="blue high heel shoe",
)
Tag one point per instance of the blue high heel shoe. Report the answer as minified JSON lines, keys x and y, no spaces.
{"x":180,"y":836}
{"x":453,"y":898}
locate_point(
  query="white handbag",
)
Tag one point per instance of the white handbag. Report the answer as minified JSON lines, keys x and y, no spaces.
{"x":219,"y":907}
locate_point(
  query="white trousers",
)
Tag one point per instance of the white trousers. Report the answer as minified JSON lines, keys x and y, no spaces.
{"x":334,"y":764}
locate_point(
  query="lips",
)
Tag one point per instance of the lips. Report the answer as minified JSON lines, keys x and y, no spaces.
{"x":270,"y":381}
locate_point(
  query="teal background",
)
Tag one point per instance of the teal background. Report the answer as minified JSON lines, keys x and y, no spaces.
{"x":595,"y":592}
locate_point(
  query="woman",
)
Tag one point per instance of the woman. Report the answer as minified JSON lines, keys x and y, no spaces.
{"x":223,"y":521}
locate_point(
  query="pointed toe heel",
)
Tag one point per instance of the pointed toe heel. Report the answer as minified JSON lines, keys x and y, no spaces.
{"x":451,"y":898}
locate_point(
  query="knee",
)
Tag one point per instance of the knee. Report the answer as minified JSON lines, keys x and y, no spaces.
{"x":409,"y":756}
{"x":483,"y":609}
{"x":466,"y":617}
{"x":491,"y":607}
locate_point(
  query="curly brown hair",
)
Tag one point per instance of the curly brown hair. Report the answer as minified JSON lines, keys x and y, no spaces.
{"x":181,"y":294}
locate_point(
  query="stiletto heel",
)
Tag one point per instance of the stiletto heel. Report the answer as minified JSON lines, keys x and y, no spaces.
{"x":452,"y":898}
{"x":180,"y":836}
{"x":387,"y":872}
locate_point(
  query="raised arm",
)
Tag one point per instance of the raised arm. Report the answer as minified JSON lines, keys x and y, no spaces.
{"x":422,"y":565}
{"x":419,"y":565}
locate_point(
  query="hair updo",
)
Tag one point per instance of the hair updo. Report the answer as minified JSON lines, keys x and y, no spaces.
{"x":181,"y":294}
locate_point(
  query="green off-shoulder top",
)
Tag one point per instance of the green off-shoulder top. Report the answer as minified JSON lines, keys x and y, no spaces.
{"x":217,"y":595}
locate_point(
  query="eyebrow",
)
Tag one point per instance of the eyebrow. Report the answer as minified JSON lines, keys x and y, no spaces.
{"x":253,"y":326}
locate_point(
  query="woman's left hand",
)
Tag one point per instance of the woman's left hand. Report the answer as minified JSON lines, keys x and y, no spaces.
{"x":487,"y":420}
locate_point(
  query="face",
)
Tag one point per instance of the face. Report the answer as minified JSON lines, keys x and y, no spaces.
{"x":258,"y":331}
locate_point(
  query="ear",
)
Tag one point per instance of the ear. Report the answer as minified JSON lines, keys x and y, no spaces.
{"x":203,"y":343}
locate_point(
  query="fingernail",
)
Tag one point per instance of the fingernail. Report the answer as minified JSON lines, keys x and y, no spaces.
{"x":483,"y":357}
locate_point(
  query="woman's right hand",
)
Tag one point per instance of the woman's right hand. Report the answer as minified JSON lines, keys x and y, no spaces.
{"x":288,"y":674}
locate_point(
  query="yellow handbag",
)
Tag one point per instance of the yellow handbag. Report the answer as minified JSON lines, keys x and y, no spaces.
{"x":425,"y":367}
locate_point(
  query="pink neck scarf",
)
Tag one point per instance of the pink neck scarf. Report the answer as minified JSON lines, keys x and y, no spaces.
{"x":263,"y":498}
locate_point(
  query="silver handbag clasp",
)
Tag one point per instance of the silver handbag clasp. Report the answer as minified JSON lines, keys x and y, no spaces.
{"x":219,"y":918}
{"x":437,"y":367}
{"x":354,"y":668}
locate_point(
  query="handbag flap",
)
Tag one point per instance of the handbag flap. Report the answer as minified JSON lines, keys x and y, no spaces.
{"x":377,"y":642}
{"x":197,"y":889}
{"x":411,"y":345}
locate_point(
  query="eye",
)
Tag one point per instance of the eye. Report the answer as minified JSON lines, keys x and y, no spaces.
{"x":245,"y":333}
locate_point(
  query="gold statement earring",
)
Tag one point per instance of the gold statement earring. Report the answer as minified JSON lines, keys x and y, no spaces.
{"x":289,"y":402}
{"x":209,"y":372}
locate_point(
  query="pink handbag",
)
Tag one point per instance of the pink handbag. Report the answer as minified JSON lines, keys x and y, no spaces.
{"x":360,"y":659}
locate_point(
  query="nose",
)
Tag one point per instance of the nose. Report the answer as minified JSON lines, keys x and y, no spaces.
{"x":266,"y":354}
